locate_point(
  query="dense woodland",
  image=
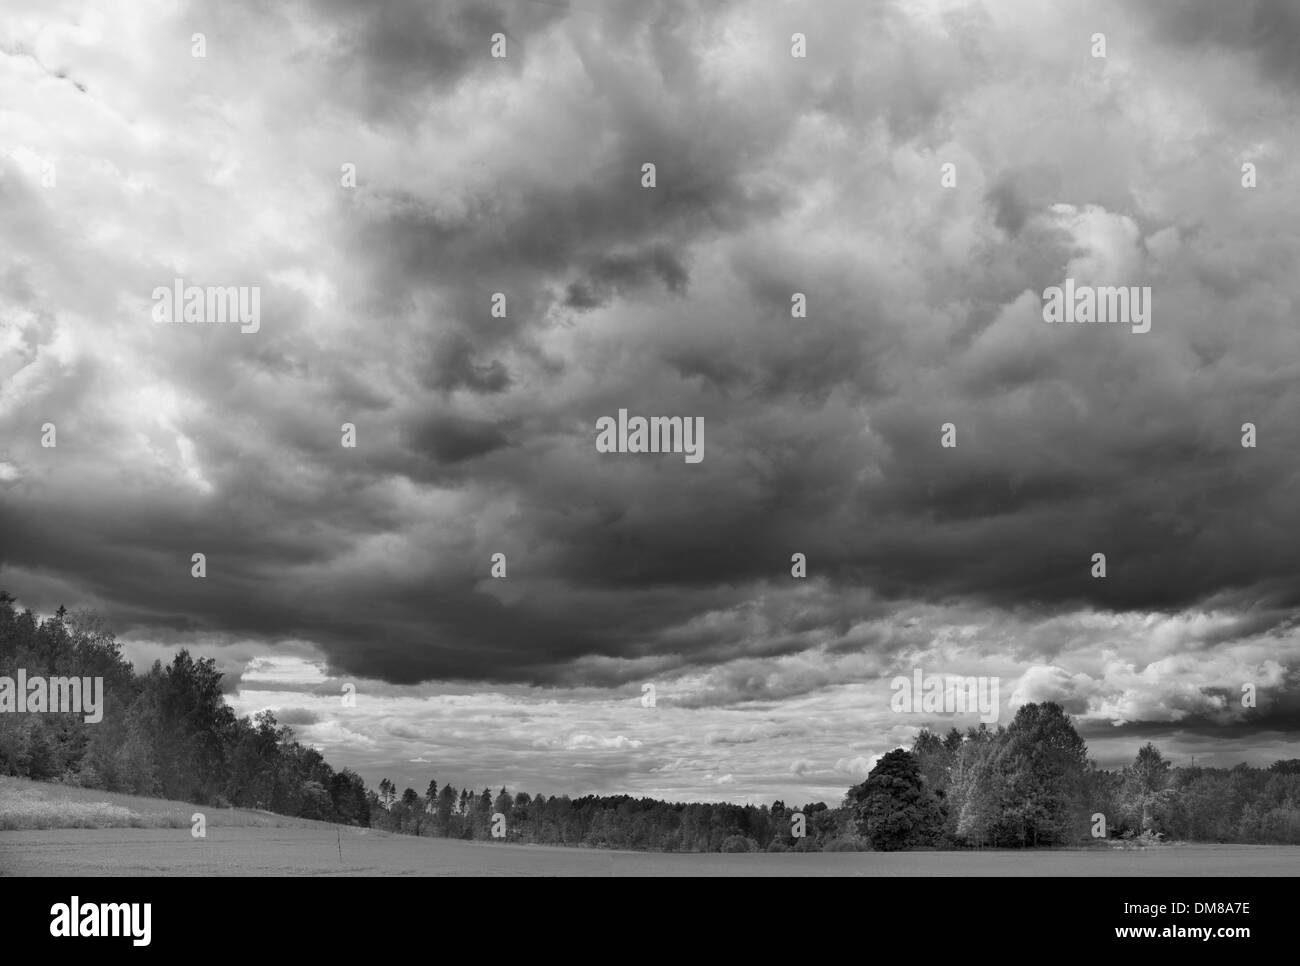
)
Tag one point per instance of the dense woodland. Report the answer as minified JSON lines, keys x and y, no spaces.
{"x":169,"y":733}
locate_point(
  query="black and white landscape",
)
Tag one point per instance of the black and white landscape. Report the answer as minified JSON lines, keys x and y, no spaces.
{"x":650,"y":429}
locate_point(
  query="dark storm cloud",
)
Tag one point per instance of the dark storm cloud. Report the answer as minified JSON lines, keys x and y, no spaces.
{"x":387,"y":60}
{"x":822,"y":434}
{"x":1016,"y":194}
{"x":451,"y":439}
{"x":454,"y":364}
{"x":1268,"y":30}
{"x":1277,"y":714}
{"x":547,"y":229}
{"x":607,"y":276}
{"x":297,"y":716}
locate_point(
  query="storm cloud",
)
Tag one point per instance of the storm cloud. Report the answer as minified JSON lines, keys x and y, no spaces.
{"x":521,"y":177}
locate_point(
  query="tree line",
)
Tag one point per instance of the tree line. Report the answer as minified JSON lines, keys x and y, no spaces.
{"x":1028,"y":785}
{"x":169,"y":733}
{"x":600,"y":821}
{"x":1032,"y":784}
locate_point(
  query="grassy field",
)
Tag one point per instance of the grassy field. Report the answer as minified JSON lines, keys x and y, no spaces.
{"x":56,"y":830}
{"x":41,"y":805}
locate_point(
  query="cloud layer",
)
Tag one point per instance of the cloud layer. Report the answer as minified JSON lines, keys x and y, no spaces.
{"x":475,"y":432}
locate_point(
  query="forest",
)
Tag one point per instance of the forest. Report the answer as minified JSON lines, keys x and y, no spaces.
{"x":169,"y":733}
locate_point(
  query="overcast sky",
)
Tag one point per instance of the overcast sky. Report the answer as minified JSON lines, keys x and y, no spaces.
{"x":126,"y":162}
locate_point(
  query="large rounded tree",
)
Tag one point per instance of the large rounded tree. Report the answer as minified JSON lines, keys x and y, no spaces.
{"x":894,"y":809}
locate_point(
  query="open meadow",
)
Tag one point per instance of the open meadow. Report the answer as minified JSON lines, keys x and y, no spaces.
{"x":57,"y":830}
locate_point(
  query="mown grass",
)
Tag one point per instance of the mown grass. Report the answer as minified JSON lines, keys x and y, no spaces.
{"x":27,"y":804}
